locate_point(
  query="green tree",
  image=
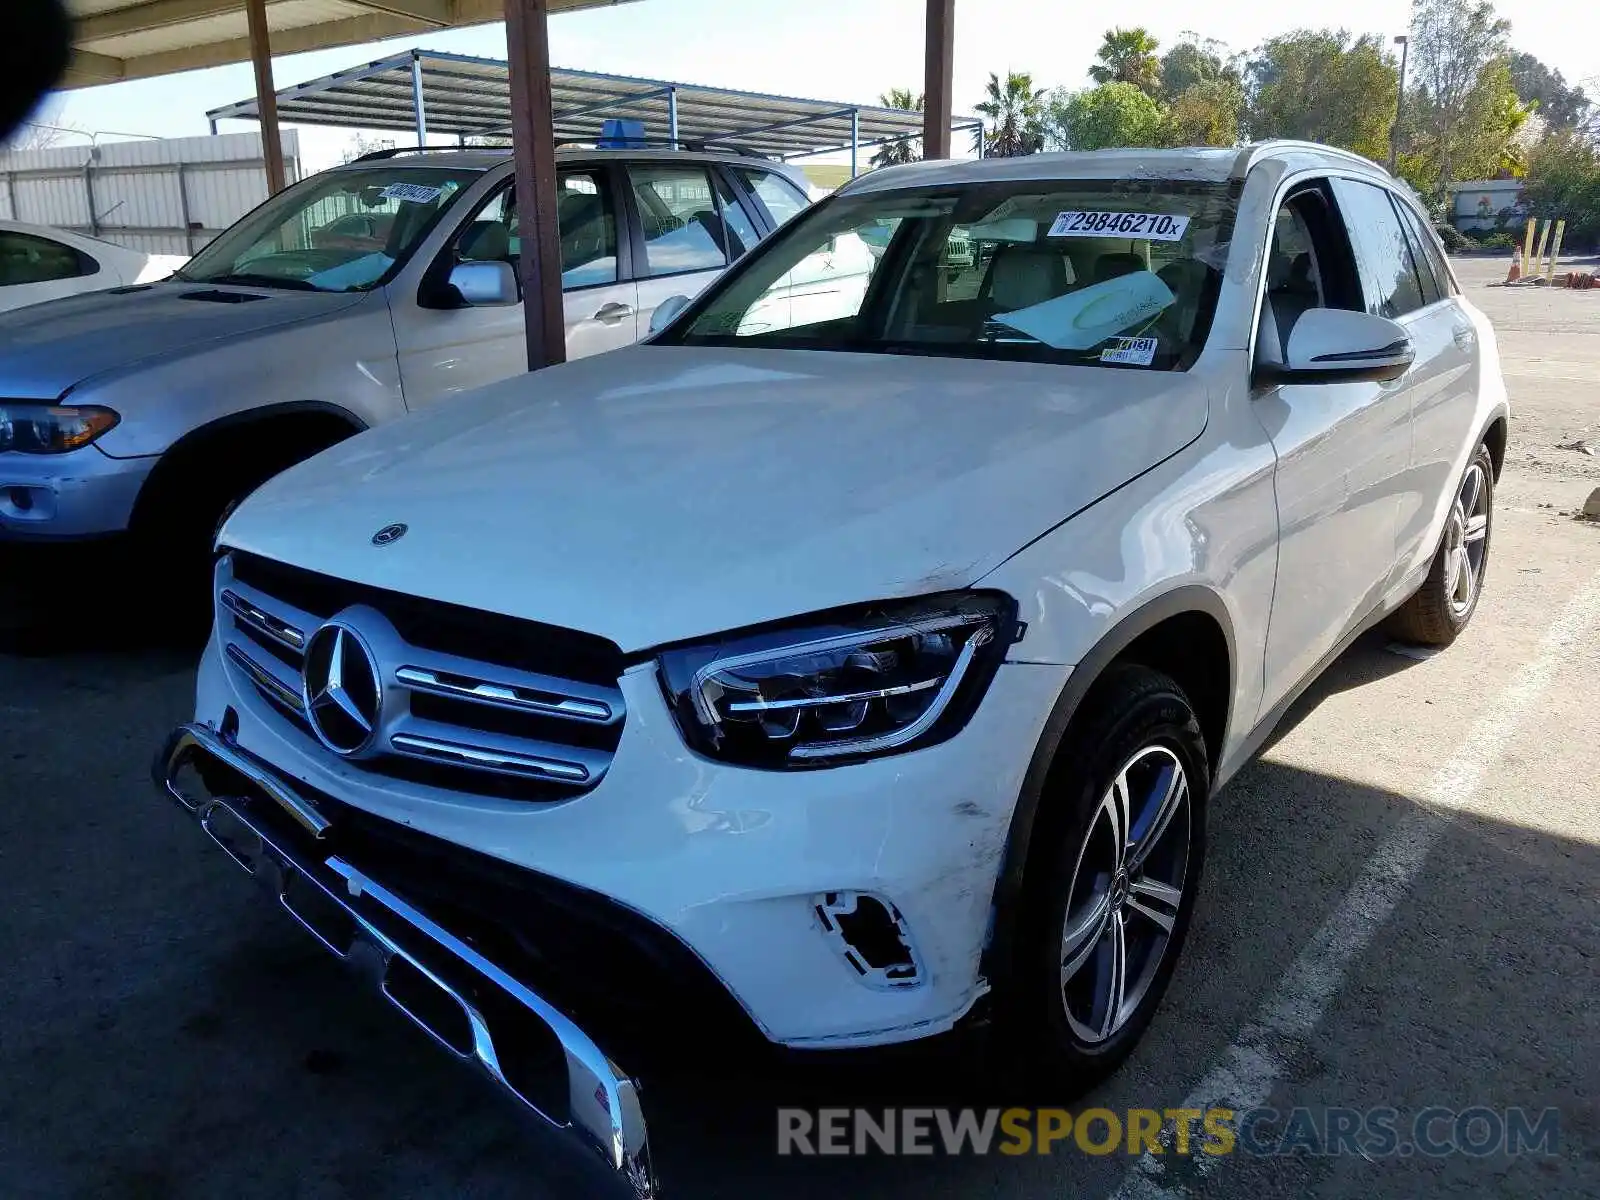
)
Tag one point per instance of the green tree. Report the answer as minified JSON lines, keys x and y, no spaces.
{"x":1322,"y":86}
{"x":1113,"y":114}
{"x":1563,"y":107}
{"x":902,"y":150}
{"x":1564,"y":183}
{"x":1454,"y":44}
{"x":1205,"y":114}
{"x":1128,"y":56}
{"x":1194,"y":60}
{"x":1016,"y":113}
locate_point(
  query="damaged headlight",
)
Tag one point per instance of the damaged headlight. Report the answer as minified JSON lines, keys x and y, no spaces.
{"x":51,"y":428}
{"x":840,"y":688}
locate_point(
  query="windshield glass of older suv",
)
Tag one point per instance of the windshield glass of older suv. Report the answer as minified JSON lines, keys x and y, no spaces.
{"x":341,"y":231}
{"x":1118,"y":273}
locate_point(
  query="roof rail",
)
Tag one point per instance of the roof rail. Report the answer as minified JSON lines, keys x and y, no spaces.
{"x":696,"y":146}
{"x":1253,"y":152}
{"x":391,"y":151}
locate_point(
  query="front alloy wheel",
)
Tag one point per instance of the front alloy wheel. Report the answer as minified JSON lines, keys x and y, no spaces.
{"x":1113,"y":867}
{"x":1125,"y":894}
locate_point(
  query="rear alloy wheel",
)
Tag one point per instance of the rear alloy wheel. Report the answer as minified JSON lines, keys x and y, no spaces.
{"x":1444,"y":604}
{"x":1111,"y":879}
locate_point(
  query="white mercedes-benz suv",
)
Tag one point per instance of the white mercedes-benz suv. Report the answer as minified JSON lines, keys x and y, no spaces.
{"x":842,"y":666}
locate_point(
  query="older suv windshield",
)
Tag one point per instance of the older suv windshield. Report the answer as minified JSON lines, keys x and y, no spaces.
{"x":1112,"y":272}
{"x":341,"y":231}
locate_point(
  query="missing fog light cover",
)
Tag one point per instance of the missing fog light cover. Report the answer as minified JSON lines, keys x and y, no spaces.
{"x":871,"y":936}
{"x":843,"y":688}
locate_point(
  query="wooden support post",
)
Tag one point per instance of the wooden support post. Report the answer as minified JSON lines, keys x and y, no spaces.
{"x":1538,"y":254}
{"x":534,"y":150}
{"x":1527,"y":247}
{"x":266,"y":94}
{"x":937,"y":103}
{"x":1555,"y":251}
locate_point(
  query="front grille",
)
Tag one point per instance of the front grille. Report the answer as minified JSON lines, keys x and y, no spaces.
{"x":471,"y":702}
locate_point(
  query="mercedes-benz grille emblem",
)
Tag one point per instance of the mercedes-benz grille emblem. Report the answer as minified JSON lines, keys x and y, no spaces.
{"x":342,"y":692}
{"x":389,"y":533}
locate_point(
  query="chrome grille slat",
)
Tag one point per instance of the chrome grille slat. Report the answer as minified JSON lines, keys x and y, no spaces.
{"x":264,"y":622}
{"x":479,"y":727}
{"x":509,"y":694}
{"x":506,"y":761}
{"x":266,"y":680}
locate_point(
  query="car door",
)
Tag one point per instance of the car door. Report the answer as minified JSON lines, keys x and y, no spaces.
{"x":34,"y":269}
{"x":1342,"y":447}
{"x":444,"y":350}
{"x":1444,"y":412}
{"x":688,"y":224}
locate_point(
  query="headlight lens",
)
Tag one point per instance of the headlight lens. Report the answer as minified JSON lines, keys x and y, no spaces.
{"x":51,"y":428}
{"x":839,"y":689}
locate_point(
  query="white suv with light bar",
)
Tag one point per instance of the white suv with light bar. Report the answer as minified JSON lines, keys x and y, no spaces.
{"x":830,"y":674}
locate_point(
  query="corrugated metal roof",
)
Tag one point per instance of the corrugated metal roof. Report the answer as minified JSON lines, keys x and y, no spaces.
{"x":136,"y":39}
{"x":472,"y":96}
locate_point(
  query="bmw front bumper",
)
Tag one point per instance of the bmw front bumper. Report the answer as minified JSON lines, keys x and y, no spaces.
{"x":468,"y":1002}
{"x":63,"y":497}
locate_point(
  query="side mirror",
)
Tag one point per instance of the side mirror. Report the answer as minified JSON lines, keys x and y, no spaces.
{"x":1330,"y":344}
{"x":489,"y":284}
{"x":666,"y":311}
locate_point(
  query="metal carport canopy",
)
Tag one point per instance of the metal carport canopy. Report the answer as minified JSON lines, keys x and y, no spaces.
{"x":114,"y":40}
{"x":472,"y":96}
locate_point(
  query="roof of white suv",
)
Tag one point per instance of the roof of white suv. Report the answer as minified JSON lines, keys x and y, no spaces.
{"x":484,"y":157}
{"x":1212,"y":163}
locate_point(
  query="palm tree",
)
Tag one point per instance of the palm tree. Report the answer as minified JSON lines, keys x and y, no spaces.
{"x":1015,"y":110}
{"x":901,"y":150}
{"x":1128,"y":56}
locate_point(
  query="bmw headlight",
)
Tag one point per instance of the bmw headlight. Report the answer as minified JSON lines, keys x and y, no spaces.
{"x":841,"y":687}
{"x":51,"y":428}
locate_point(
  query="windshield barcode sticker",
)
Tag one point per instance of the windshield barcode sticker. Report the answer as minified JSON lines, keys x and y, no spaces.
{"x":415,"y":193}
{"x":1133,"y":351}
{"x":1158,"y":227}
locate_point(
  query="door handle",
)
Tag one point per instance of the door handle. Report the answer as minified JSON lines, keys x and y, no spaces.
{"x":613,"y":313}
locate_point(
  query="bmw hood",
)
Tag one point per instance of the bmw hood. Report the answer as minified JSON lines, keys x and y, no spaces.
{"x":661,"y":493}
{"x":48,"y":348}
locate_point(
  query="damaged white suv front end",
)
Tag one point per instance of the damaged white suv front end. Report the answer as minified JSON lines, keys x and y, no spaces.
{"x":844,"y":661}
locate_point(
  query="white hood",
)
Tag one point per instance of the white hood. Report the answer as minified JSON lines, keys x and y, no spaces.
{"x":657,"y":493}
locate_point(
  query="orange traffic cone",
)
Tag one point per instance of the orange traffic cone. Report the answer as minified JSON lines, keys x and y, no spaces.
{"x":1516,"y":270}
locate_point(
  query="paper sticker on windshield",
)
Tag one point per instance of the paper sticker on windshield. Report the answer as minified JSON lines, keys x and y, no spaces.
{"x":414,"y":193}
{"x":1133,"y":351}
{"x":1158,"y":227}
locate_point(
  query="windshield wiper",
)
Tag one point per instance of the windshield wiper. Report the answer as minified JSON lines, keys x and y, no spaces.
{"x":267,"y":281}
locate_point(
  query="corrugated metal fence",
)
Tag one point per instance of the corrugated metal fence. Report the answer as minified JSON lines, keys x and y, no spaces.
{"x":167,"y":196}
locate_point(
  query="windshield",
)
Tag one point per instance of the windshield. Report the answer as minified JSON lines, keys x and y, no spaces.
{"x":340,"y":231}
{"x":1117,"y":273}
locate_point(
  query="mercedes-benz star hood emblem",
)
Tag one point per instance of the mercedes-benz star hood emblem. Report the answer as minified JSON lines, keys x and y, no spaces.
{"x":389,"y":534}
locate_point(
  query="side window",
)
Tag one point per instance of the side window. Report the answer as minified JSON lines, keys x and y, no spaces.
{"x":1388,"y":274}
{"x":1435,"y":275}
{"x":585,"y":218}
{"x":28,"y":259}
{"x":678,"y":211}
{"x":782,"y":198}
{"x":742,"y":235}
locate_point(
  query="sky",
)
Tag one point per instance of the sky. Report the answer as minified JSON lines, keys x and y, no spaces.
{"x":846,"y":50}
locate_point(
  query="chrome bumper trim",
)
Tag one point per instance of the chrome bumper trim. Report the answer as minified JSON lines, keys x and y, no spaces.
{"x":605,"y":1119}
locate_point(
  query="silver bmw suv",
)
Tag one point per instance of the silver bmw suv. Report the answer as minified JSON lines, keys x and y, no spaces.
{"x":358,"y":295}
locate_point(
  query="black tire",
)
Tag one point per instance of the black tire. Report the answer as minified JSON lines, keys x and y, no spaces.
{"x":1434,"y":616}
{"x":1134,"y":711}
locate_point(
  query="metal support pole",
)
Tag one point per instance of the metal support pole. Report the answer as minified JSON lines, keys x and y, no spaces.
{"x":534,"y":150}
{"x":88,"y":194}
{"x":1399,"y":103}
{"x":213,"y":125}
{"x":416,"y":99}
{"x":266,"y":96}
{"x":11,"y":196}
{"x":938,"y":82}
{"x":183,"y":211}
{"x":855,"y":140}
{"x":672,"y":115}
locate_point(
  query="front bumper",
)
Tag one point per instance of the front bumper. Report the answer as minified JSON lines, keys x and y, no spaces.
{"x":83,"y":494}
{"x":465,"y":1000}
